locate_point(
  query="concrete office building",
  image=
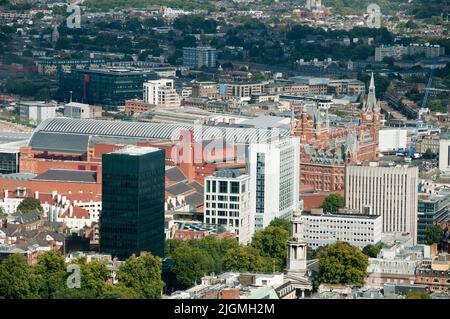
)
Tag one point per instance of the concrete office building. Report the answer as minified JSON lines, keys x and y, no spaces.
{"x":227,"y":203}
{"x":389,"y":191}
{"x":132,"y":218}
{"x":77,"y":110}
{"x":358,"y":230}
{"x":36,"y":112}
{"x":274,"y":170}
{"x":161,"y":92}
{"x":200,"y":56}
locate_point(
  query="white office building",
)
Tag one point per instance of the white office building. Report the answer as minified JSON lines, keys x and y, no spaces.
{"x":36,"y":112}
{"x":389,"y":191}
{"x":392,"y":139}
{"x":274,"y":169}
{"x":444,"y":155}
{"x":161,"y":92}
{"x":356,"y":229}
{"x":227,"y":203}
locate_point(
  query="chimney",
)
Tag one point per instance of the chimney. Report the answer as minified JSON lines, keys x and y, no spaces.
{"x":71,"y":211}
{"x":54,"y":193}
{"x":36,"y":194}
{"x":6,"y":193}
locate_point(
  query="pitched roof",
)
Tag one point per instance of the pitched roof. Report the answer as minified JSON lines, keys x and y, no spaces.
{"x":175,"y":174}
{"x":198,"y":187}
{"x":179,"y":189}
{"x":195,"y":199}
{"x":61,"y":175}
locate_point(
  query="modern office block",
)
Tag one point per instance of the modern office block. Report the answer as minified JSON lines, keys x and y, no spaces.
{"x":132,"y":218}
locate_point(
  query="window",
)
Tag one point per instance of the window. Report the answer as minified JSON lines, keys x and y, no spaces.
{"x":208,"y":186}
{"x":223,"y":187}
{"x":234,"y":187}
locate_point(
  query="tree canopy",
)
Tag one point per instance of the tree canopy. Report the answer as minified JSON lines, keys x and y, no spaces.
{"x":142,"y":275}
{"x":30,"y":204}
{"x":433,"y":234}
{"x":272,"y":242}
{"x":17,"y":280}
{"x":332,"y":203}
{"x":341,"y":263}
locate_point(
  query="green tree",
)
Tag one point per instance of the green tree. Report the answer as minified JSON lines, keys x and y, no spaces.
{"x":246,"y":259}
{"x":2,"y":213}
{"x":272,"y":242}
{"x":283,"y":223}
{"x":341,"y":263}
{"x":51,"y":274}
{"x":30,"y":204}
{"x":428,"y":154}
{"x":190,"y":264}
{"x":372,"y":250}
{"x":332,"y":203}
{"x":143,"y":275}
{"x":433,"y":234}
{"x":17,"y":280}
{"x":119,"y":291}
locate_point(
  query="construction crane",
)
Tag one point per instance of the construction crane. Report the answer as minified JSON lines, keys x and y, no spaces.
{"x":420,"y":119}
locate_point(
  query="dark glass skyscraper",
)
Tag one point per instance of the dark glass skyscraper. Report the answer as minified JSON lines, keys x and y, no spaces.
{"x":132,"y":218}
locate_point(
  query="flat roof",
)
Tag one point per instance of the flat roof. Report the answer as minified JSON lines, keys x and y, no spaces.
{"x":135,"y":150}
{"x":352,"y":216}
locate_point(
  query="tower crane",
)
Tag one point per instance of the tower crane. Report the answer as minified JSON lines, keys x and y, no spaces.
{"x":412,"y":149}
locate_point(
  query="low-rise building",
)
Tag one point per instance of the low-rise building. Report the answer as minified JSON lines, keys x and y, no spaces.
{"x":356,"y":229}
{"x":35,"y":112}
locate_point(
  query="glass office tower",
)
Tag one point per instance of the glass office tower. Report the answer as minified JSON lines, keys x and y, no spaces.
{"x":132,"y":218}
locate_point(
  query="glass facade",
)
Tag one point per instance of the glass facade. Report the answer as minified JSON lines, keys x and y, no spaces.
{"x":132,"y":219}
{"x":108,"y":89}
{"x":9,"y":162}
{"x":429,"y":213}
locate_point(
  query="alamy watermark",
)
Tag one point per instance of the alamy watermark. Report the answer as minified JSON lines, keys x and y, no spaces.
{"x":74,"y":19}
{"x":74,"y":279}
{"x":374,"y":16}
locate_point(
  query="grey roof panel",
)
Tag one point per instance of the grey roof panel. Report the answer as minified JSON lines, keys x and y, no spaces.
{"x":175,"y":174}
{"x":178,"y":189}
{"x":57,"y":142}
{"x":68,"y":176}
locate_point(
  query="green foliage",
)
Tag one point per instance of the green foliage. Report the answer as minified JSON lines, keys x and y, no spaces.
{"x":29,"y":88}
{"x":332,"y":203}
{"x":106,"y":5}
{"x":341,"y":263}
{"x":428,"y":154}
{"x":51,"y":274}
{"x":372,"y":250}
{"x":246,"y":259}
{"x":282,"y":223}
{"x":433,"y":234}
{"x":142,"y":275}
{"x":417,"y":295}
{"x":191,"y":264}
{"x":272,"y":242}
{"x":30,"y":204}
{"x":119,"y":291}
{"x":17,"y":280}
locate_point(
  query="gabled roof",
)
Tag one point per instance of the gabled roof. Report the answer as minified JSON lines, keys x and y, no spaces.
{"x":179,"y":189}
{"x":62,"y":175}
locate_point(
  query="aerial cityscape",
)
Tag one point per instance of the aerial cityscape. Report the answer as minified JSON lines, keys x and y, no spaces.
{"x":228,"y":149}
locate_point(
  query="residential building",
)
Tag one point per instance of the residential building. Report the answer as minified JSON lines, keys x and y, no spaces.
{"x":396,"y":52}
{"x":201,"y":56}
{"x":205,"y":89}
{"x":356,"y":229}
{"x":274,"y":179}
{"x":435,"y":275}
{"x":227,"y":203}
{"x":389,"y":191}
{"x":132,"y":219}
{"x":35,"y":112}
{"x":161,"y":92}
{"x":243,"y":89}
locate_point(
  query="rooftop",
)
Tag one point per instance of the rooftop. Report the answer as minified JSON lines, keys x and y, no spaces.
{"x":136,"y":150}
{"x":75,"y":176}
